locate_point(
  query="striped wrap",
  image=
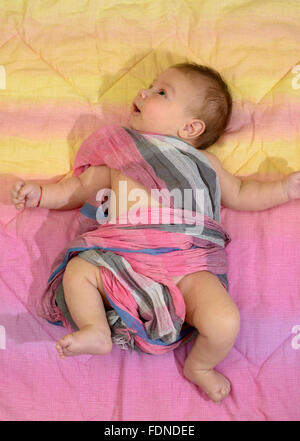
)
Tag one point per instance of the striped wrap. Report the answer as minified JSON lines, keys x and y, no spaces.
{"x":137,"y":261}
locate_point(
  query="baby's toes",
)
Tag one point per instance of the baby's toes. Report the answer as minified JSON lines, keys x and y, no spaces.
{"x":221,"y":394}
{"x":64,"y":346}
{"x":60,"y":350}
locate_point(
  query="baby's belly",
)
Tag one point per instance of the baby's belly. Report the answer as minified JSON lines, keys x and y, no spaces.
{"x":129,"y":193}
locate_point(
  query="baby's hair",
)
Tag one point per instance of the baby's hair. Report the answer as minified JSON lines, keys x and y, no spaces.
{"x":215,"y":109}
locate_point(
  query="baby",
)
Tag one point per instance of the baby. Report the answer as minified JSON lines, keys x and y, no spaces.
{"x":191,"y":103}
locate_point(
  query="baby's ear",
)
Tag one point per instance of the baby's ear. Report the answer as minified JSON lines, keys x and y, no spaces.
{"x":192,"y":129}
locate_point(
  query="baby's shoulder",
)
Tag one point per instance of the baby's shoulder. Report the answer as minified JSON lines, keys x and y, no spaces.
{"x":213,"y":160}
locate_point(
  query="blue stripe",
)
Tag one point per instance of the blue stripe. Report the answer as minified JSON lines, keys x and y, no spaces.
{"x":90,"y":211}
{"x":133,"y":323}
{"x":153,"y":251}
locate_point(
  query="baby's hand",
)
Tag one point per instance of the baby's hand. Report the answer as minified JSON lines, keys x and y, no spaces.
{"x":25,"y":195}
{"x":292,"y":185}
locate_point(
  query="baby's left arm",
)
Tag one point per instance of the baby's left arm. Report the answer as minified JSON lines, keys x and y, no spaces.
{"x":251,"y":195}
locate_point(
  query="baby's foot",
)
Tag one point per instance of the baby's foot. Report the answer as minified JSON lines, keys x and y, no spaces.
{"x":89,"y":340}
{"x":214,"y":384}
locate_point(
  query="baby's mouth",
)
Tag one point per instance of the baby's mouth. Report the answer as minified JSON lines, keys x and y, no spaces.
{"x":136,"y":109}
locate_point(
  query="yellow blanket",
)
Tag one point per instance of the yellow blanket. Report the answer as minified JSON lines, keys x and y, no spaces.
{"x":67,"y":67}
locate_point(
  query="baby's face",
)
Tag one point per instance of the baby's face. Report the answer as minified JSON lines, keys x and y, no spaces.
{"x":162,"y":108}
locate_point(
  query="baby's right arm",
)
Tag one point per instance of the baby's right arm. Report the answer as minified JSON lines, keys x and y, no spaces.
{"x":68,"y":194}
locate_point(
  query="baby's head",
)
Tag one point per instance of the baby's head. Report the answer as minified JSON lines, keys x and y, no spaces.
{"x":189,"y":101}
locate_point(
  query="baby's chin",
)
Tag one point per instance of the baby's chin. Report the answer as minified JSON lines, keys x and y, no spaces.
{"x":138,"y":127}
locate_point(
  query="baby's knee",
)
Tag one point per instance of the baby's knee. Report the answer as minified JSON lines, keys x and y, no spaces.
{"x":75,"y":270}
{"x":221,"y":326}
{"x":230,"y":323}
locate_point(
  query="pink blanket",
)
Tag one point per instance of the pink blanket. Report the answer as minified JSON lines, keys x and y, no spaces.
{"x":264,"y":268}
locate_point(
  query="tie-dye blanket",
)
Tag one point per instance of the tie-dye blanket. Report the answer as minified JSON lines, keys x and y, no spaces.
{"x":140,"y":251}
{"x":69,"y":67}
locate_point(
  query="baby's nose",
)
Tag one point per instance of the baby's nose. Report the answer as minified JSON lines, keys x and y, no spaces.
{"x":143,"y":93}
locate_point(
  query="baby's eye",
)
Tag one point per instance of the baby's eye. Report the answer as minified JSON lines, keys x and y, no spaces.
{"x":162,"y":92}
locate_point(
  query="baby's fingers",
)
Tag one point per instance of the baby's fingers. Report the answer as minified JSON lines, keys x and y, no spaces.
{"x":16,"y":197}
{"x":19,"y":205}
{"x":16,"y":188}
{"x":18,"y":185}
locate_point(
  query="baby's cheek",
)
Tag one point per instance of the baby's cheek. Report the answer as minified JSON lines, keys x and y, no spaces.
{"x":158,"y":115}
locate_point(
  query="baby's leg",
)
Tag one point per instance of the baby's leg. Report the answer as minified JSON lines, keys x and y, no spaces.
{"x":213,"y":313}
{"x":82,"y":289}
